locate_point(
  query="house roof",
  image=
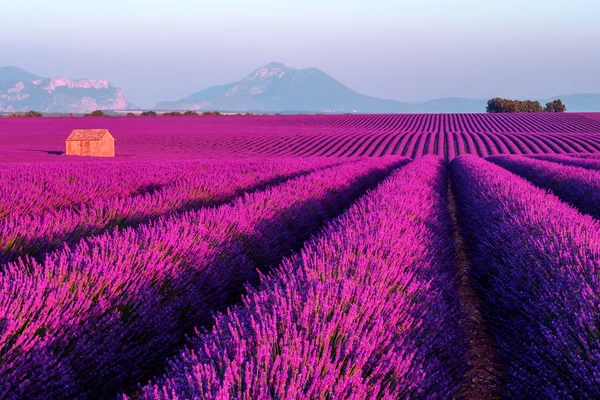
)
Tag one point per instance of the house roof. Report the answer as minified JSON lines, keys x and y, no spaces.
{"x":87,"y":134}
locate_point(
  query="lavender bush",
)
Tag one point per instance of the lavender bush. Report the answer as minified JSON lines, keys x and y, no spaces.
{"x":577,"y":186}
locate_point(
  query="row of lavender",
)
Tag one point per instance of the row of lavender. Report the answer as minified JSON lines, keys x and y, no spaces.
{"x":368,"y":309}
{"x":37,"y":188}
{"x":30,"y":189}
{"x":103,"y":315}
{"x":66,"y":203}
{"x":575,"y":181}
{"x":535,"y":261}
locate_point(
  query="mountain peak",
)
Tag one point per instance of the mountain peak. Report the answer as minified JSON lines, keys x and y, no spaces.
{"x":272,"y":70}
{"x":276,"y":64}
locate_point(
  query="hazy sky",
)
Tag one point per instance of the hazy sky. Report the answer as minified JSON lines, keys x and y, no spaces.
{"x":398,"y":49}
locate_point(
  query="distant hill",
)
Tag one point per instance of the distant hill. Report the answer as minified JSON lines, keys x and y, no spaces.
{"x":575,"y":103}
{"x":13,"y":74}
{"x":450,"y":105}
{"x":278,"y":88}
{"x":23,"y":91}
{"x":585,"y":102}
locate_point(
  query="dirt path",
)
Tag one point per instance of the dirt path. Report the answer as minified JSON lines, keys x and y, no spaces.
{"x":484,"y":380}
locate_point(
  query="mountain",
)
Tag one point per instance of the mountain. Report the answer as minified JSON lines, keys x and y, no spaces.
{"x":271,"y":88}
{"x":23,"y":91}
{"x":277,"y":88}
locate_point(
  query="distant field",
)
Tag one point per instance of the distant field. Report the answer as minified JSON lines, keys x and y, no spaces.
{"x":415,"y":135}
{"x":592,"y":115}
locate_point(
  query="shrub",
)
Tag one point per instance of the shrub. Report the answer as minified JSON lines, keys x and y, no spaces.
{"x":149,"y":114}
{"x":211,"y":113}
{"x":190,"y":113}
{"x":172,"y":114}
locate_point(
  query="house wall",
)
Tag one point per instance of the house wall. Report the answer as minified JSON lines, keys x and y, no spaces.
{"x":98,"y":148}
{"x":73,"y":148}
{"x":107,"y":146}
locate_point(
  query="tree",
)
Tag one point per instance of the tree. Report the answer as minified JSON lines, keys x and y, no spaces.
{"x":130,"y":114}
{"x":499,"y":105}
{"x":555,"y":106}
{"x":96,"y":113}
{"x":530,"y":106}
{"x":149,"y":114}
{"x":495,"y":105}
{"x":190,"y":113}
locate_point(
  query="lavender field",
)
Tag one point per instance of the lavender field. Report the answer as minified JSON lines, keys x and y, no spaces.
{"x":302,"y":257}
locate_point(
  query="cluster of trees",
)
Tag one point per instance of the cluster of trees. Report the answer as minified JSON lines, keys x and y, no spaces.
{"x":499,"y":105}
{"x":101,"y":113}
{"x":188,"y":113}
{"x":97,"y":113}
{"x":151,"y":113}
{"x":28,"y":114}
